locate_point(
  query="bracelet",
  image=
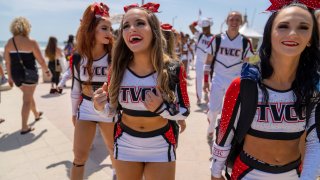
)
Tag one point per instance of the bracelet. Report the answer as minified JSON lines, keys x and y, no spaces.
{"x":207,"y":67}
{"x":206,"y":78}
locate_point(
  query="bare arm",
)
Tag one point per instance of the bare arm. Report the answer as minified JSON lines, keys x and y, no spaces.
{"x":37,"y":53}
{"x":207,"y":68}
{"x":193,"y":27}
{"x":8,"y":64}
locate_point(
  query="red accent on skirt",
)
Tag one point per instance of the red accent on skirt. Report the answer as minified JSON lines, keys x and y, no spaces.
{"x":238,"y":169}
{"x":170,"y":136}
{"x":118,"y":131}
{"x":183,"y":86}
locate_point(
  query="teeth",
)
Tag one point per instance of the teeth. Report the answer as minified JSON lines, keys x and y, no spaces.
{"x":290,"y":43}
{"x":135,"y":38}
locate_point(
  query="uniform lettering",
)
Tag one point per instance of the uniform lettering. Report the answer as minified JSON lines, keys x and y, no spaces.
{"x":97,"y":71}
{"x":135,"y":94}
{"x":277,"y":113}
{"x":230,"y":51}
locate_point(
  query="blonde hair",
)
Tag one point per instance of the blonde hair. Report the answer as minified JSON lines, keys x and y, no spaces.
{"x":122,"y":55}
{"x":20,"y":26}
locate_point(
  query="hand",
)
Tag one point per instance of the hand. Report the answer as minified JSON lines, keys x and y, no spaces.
{"x":206,"y":87}
{"x":48,"y":73}
{"x":214,"y":178}
{"x":100,"y":98}
{"x":195,"y":23}
{"x":74,"y":120}
{"x":182,"y":124}
{"x":153,"y":101}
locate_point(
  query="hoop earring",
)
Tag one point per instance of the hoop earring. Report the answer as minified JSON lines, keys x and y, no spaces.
{"x":309,"y":44}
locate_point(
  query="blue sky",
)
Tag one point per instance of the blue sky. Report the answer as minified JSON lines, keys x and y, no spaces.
{"x":61,"y":17}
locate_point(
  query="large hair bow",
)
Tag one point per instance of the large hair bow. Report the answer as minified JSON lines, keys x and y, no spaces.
{"x":150,"y":6}
{"x":278,"y":4}
{"x":166,"y":27}
{"x":100,"y":9}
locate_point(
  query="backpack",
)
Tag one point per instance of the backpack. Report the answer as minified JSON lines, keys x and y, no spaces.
{"x":248,"y":98}
{"x":245,"y":42}
{"x":196,"y":46}
{"x":76,"y":58}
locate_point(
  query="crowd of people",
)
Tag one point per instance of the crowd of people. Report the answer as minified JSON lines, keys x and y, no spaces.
{"x":264,"y":118}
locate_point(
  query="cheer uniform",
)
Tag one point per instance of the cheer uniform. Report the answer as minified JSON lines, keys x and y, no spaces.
{"x":82,"y":90}
{"x":201,"y":57}
{"x":154,"y":146}
{"x":275,"y":120}
{"x":227,"y":66}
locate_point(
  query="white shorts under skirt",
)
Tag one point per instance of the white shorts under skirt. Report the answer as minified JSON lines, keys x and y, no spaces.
{"x":154,"y":146}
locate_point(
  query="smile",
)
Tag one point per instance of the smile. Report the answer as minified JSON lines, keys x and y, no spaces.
{"x":135,"y":39}
{"x":290,"y":43}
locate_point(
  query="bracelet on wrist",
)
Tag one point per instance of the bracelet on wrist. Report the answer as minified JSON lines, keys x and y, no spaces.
{"x":206,"y":78}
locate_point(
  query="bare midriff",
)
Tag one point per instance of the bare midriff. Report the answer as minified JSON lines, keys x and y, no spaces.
{"x":143,"y":124}
{"x":274,"y":152}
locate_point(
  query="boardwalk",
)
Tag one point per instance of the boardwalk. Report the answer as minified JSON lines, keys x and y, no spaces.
{"x":46,"y":153}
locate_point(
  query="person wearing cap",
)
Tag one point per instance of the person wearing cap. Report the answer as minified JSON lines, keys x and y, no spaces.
{"x":203,"y":39}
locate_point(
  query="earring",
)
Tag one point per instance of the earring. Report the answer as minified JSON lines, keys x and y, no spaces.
{"x":309,"y":44}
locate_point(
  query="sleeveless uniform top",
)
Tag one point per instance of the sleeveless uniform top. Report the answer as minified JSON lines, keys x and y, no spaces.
{"x":82,"y":90}
{"x":132,"y":93}
{"x":277,"y":119}
{"x":229,"y":56}
{"x":201,"y":46}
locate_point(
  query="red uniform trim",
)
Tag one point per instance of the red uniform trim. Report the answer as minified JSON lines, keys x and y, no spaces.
{"x":228,"y":108}
{"x":238,"y":169}
{"x":170,"y":136}
{"x":183,"y":86}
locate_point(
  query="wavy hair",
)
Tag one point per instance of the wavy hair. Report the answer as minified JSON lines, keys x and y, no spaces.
{"x":122,"y":55}
{"x":86,"y":38}
{"x":51,"y":48}
{"x":307,"y":75}
{"x":170,"y":46}
{"x":20,"y":26}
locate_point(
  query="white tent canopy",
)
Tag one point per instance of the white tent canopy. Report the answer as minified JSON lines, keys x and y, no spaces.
{"x":116,"y":18}
{"x":249,"y":32}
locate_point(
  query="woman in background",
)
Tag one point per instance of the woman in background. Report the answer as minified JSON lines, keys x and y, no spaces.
{"x":22,"y":52}
{"x":54,"y":53}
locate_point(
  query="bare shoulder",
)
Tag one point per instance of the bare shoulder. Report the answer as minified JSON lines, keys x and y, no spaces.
{"x":33,"y":42}
{"x":9,"y":45}
{"x":59,"y":50}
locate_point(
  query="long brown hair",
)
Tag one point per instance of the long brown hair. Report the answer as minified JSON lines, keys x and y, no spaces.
{"x":170,"y":44}
{"x":86,"y":38}
{"x":122,"y":55}
{"x":51,"y":48}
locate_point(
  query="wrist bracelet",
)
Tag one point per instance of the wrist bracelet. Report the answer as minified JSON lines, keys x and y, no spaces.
{"x":206,"y":78}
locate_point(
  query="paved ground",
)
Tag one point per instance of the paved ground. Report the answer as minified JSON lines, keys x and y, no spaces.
{"x":46,"y":153}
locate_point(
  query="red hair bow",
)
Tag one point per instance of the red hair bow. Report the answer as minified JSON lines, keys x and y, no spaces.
{"x":278,"y":4}
{"x":100,"y":9}
{"x":152,"y":7}
{"x":126,"y":8}
{"x":166,"y":27}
